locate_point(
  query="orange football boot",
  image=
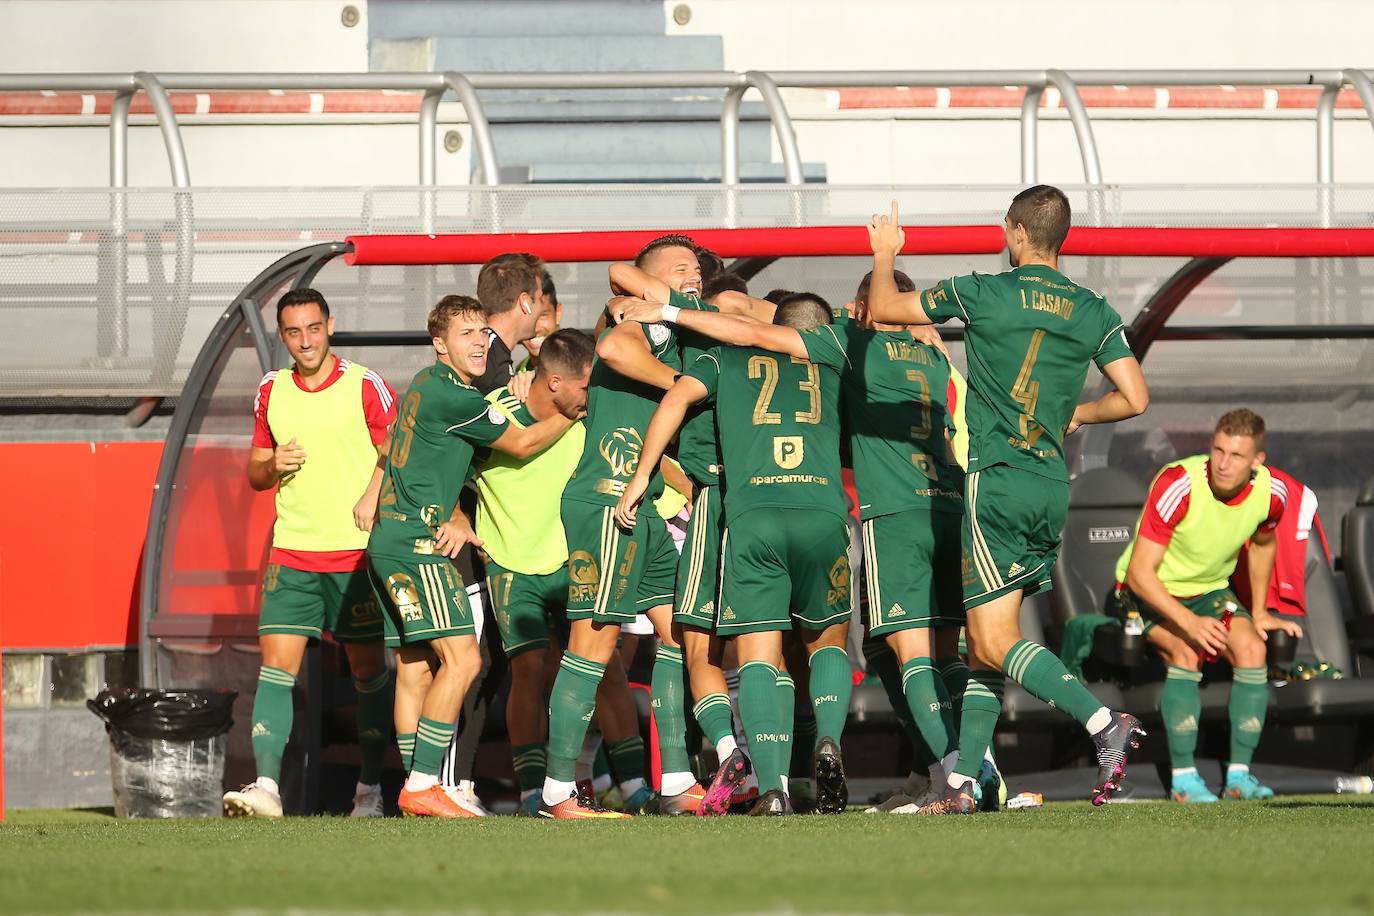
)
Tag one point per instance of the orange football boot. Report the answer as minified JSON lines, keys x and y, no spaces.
{"x":432,"y":802}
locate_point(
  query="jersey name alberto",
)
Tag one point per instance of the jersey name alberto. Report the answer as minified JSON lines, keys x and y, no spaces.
{"x":1031,"y":333}
{"x":897,"y":410}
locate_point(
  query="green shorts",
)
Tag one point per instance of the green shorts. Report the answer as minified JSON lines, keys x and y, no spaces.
{"x":784,"y":565}
{"x":1121,"y":601}
{"x":527,"y":607}
{"x":698,"y":569}
{"x":1010,"y":536}
{"x":300,"y":603}
{"x":424,"y":599}
{"x":642,"y":564}
{"x":911,"y":571}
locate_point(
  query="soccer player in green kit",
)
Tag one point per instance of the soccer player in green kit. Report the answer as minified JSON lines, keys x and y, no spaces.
{"x":420,"y":528}
{"x":616,"y":575}
{"x":911,"y":494}
{"x":786,"y":545}
{"x":1030,"y":334}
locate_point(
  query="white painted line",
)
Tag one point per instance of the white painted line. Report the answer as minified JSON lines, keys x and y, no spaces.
{"x":942,"y":97}
{"x":1161,"y":98}
{"x":317,"y":103}
{"x":87,"y":104}
{"x":202,"y":103}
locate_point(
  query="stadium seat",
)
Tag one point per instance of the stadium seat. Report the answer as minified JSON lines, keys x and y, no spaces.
{"x":1104,"y":506}
{"x":1359,"y":566}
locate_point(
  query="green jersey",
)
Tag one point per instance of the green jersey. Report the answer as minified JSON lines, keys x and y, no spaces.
{"x":618,"y":413}
{"x":1031,"y":333}
{"x":896,"y":405}
{"x":780,"y":427}
{"x":698,"y":448}
{"x":441,"y":421}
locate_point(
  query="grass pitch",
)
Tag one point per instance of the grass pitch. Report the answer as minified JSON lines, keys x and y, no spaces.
{"x":1290,"y":855}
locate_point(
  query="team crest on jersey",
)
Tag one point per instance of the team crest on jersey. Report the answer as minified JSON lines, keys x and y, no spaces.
{"x":620,"y":448}
{"x":405,"y":596}
{"x":788,"y":451}
{"x":495,"y":416}
{"x":582,"y":575}
{"x":658,"y":333}
{"x":839,"y":582}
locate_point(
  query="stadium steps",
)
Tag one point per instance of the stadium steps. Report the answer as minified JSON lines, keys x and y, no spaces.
{"x":600,"y":135}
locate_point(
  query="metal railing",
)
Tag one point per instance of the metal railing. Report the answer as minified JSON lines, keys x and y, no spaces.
{"x":466,"y":87}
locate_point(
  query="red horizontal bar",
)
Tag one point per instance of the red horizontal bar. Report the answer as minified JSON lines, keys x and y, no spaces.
{"x":837,"y":241}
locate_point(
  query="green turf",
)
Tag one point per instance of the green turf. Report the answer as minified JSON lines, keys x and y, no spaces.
{"x":1294,"y":855}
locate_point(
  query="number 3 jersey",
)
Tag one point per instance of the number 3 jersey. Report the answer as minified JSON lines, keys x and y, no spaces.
{"x":779,"y":424}
{"x":441,"y":422}
{"x":1031,"y":333}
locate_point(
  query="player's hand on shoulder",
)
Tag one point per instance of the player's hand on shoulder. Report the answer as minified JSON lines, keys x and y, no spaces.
{"x":926,"y":334}
{"x":520,"y":385}
{"x":885,"y":235}
{"x":641,"y":310}
{"x":288,"y":458}
{"x":453,"y":535}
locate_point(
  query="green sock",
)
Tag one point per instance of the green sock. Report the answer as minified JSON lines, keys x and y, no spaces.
{"x":1248,"y":704}
{"x":432,"y":738}
{"x":954,"y":675}
{"x":626,"y":758}
{"x":571,"y":704}
{"x":803,"y":737}
{"x":787,"y":702}
{"x":272,"y":715}
{"x":670,"y":714}
{"x":529,"y":762}
{"x":405,"y":743}
{"x":1044,"y":676}
{"x":374,"y":725}
{"x":601,"y":764}
{"x":1180,"y":706}
{"x":713,"y":714}
{"x":832,"y":681}
{"x":982,"y":706}
{"x":882,"y":661}
{"x":925,"y":695}
{"x":758,"y":712}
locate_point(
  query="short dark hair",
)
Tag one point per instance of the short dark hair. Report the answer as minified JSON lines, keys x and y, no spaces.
{"x":1242,"y":422}
{"x":1044,"y":211}
{"x":449,"y":308}
{"x":301,"y":297}
{"x":712,"y":265}
{"x":676,"y":240}
{"x":723,"y":283}
{"x":567,"y":351}
{"x":505,"y":277}
{"x":904,"y":285}
{"x":776,"y":296}
{"x":550,"y":291}
{"x":803,"y":311}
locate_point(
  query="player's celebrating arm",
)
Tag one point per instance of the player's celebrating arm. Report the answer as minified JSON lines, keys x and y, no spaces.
{"x":1030,"y":334}
{"x":442,"y":420}
{"x":319,"y":429}
{"x":1200,"y":512}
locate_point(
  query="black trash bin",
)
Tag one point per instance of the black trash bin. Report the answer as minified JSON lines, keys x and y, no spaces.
{"x":167,"y":749}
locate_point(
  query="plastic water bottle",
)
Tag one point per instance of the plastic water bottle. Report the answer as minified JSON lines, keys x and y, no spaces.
{"x":1354,"y":785}
{"x":1226,"y":615}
